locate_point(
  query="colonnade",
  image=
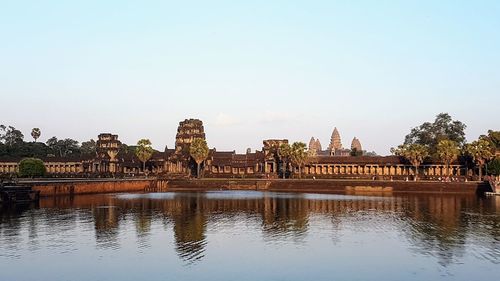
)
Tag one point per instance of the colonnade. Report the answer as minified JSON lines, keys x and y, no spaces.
{"x":63,"y":167}
{"x":51,"y":167}
{"x":382,"y":170}
{"x":9,"y":167}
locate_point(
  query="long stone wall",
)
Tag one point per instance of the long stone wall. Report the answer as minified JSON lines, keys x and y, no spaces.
{"x":73,"y":187}
{"x":325,"y":186}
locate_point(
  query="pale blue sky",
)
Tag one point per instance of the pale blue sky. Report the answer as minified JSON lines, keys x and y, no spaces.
{"x":249,"y":69}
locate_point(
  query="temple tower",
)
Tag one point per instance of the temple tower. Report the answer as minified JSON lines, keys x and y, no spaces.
{"x":335,"y":142}
{"x":318,"y":145}
{"x":312,"y":143}
{"x":108,"y":147}
{"x":315,"y":144}
{"x":187,"y":131}
{"x":356,"y":144}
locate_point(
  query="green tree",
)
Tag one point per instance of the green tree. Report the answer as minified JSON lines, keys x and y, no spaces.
{"x":35,"y":133}
{"x":447,"y":151}
{"x":355,"y":152}
{"x":52,"y":144}
{"x":443,"y":128}
{"x":10,"y":136}
{"x":144,"y":152}
{"x":198,"y":150}
{"x":480,"y":151}
{"x":63,"y":148}
{"x":31,"y":167}
{"x":494,"y":167}
{"x":298,"y":155}
{"x":284,"y":154}
{"x":88,"y":148}
{"x":493,"y":138}
{"x":414,"y":153}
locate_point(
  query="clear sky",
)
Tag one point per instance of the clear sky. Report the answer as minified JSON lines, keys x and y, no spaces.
{"x":249,"y":69}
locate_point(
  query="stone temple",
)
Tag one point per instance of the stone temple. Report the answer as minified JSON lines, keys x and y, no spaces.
{"x":112,"y":159}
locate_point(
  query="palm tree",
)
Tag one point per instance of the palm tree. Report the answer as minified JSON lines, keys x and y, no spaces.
{"x":284,"y":153}
{"x":298,"y":155}
{"x":144,"y":151}
{"x":447,"y":151}
{"x":199,"y":151}
{"x":480,"y":151}
{"x":415,"y":153}
{"x":35,"y":133}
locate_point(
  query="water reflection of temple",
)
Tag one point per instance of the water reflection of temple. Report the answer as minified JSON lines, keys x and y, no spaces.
{"x":434,"y":225}
{"x":190,"y":226}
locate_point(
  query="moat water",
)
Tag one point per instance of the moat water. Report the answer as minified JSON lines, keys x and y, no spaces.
{"x":252,"y":236}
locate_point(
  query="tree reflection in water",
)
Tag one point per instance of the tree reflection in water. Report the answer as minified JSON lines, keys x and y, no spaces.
{"x":190,"y":225}
{"x":442,"y":226}
{"x":106,"y":224}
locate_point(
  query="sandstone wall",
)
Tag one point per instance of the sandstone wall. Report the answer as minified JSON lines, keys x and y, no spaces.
{"x":325,"y":186}
{"x":55,"y":188}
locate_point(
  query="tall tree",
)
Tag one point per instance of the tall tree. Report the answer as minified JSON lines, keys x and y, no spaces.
{"x":199,"y":152}
{"x":144,"y":152}
{"x":284,"y":153}
{"x":35,"y":133}
{"x":52,"y":144}
{"x":494,"y":167}
{"x":298,"y":155}
{"x":10,"y":135}
{"x":89,"y":148}
{"x":443,"y":128}
{"x":414,"y":153}
{"x":480,"y":151}
{"x":493,"y":138}
{"x":63,"y":148}
{"x":447,"y":151}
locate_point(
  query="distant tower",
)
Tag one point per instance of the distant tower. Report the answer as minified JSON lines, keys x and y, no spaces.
{"x":108,"y":147}
{"x":315,"y":144}
{"x":312,"y":143}
{"x":335,"y":142}
{"x":187,"y":131}
{"x":356,"y":144}
{"x":318,"y":145}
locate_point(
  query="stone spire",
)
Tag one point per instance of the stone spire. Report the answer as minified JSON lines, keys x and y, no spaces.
{"x":356,"y":144}
{"x":318,"y":145}
{"x":187,"y":131}
{"x":314,"y":144}
{"x":335,"y":141}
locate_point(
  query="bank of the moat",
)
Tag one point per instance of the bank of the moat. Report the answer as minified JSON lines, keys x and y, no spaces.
{"x":90,"y":186}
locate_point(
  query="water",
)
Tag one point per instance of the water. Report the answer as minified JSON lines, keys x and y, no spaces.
{"x":252,"y":236}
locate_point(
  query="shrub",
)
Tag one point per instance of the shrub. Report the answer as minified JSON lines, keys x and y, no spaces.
{"x":31,"y":167}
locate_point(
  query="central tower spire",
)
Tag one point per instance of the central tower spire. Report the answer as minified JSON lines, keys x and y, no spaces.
{"x":335,"y":142}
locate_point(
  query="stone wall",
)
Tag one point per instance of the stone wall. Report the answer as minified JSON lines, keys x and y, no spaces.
{"x":73,"y":187}
{"x":325,"y":186}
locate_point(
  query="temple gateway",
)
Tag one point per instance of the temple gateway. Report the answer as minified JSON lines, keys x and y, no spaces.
{"x":335,"y":162}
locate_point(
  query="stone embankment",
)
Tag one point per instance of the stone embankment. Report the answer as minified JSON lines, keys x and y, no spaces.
{"x":324,"y":185}
{"x":90,"y":186}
